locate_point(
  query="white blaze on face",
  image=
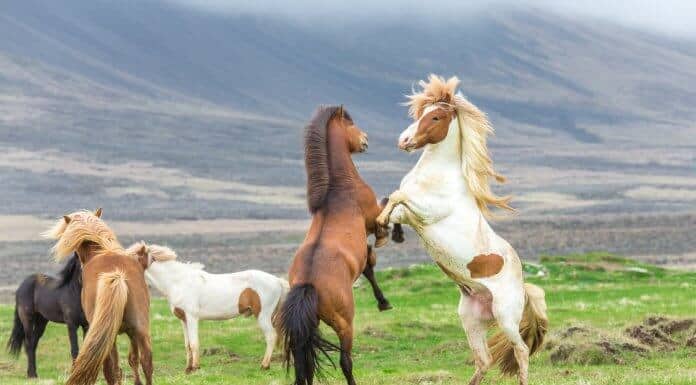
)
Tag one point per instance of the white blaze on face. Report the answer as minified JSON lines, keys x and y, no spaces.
{"x":407,"y":136}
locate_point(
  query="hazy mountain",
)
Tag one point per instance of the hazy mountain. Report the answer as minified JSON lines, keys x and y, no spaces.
{"x":222,"y":97}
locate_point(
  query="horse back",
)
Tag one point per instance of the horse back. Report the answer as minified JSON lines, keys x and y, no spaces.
{"x":137,"y":307}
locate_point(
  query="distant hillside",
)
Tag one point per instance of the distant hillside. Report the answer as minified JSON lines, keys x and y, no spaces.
{"x":223,"y":98}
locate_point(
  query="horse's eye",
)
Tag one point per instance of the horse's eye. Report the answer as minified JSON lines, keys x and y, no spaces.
{"x":435,"y":118}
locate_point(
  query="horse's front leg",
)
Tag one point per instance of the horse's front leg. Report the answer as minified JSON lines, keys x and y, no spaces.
{"x":72,"y":334}
{"x":369,"y":273}
{"x":396,"y":198}
{"x":402,"y":208}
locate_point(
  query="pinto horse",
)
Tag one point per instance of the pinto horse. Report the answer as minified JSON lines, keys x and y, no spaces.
{"x":445,"y":198}
{"x":333,"y":253}
{"x":195,"y":295}
{"x":41,"y":298}
{"x":115,"y":298}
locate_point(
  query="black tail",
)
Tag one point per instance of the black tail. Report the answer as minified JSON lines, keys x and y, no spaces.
{"x":303,"y":341}
{"x":14,"y":345}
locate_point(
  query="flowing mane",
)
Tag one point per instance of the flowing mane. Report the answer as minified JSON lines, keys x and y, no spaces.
{"x":477,"y":166}
{"x":316,"y":155}
{"x":163,"y":254}
{"x":82,"y":226}
{"x":71,"y":268}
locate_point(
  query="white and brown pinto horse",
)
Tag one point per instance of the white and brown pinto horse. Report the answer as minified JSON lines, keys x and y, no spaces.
{"x":445,"y":198}
{"x":195,"y":295}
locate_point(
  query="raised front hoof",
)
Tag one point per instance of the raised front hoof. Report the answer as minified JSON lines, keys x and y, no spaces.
{"x":384,"y":306}
{"x":379,"y":242}
{"x":398,"y":234}
{"x":191,"y":369}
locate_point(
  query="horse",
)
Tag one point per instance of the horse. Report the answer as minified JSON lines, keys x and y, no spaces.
{"x":115,"y":298}
{"x":194,"y":295}
{"x":41,"y":298}
{"x":333,"y":253}
{"x":446,"y":199}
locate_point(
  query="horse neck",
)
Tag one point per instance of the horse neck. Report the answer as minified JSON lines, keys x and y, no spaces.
{"x":445,"y":157}
{"x":342,"y":171}
{"x":166,"y":275}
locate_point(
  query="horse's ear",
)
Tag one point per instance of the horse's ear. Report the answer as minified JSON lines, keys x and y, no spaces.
{"x":340,"y":112}
{"x":98,"y":212}
{"x":67,"y":219}
{"x":143,"y":250}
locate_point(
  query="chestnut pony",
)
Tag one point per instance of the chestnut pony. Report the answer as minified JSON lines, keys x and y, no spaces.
{"x":334,"y":252}
{"x":115,"y":298}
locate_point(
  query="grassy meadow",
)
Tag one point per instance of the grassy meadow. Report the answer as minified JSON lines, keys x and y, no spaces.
{"x":593,"y":299}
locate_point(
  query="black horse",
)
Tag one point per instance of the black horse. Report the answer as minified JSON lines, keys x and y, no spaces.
{"x":40,"y":299}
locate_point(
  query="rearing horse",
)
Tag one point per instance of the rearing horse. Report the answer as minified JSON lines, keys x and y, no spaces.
{"x":445,"y":198}
{"x":334,"y":252}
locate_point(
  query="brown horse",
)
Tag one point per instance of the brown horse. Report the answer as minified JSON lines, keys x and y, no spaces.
{"x":115,"y":298}
{"x":333,"y":254}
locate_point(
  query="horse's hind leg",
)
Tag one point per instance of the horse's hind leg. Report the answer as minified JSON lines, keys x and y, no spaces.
{"x":112,"y":372}
{"x":508,"y":313}
{"x":476,"y":335}
{"x":369,"y":273}
{"x":269,"y":332}
{"x":34,"y":327}
{"x":345,"y":336}
{"x":134,"y":359}
{"x":145,"y":346}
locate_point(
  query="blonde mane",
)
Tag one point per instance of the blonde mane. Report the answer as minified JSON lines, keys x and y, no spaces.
{"x":163,"y":253}
{"x":477,"y":166}
{"x":82,"y":226}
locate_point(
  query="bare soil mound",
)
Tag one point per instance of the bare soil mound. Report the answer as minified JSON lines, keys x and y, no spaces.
{"x":588,"y":346}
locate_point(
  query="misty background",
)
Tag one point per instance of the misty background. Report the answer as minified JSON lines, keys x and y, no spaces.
{"x":183,"y":118}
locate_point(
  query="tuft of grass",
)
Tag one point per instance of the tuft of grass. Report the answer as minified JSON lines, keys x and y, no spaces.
{"x":421,"y":340}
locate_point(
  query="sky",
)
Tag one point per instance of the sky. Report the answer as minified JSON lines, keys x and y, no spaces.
{"x":669,"y":17}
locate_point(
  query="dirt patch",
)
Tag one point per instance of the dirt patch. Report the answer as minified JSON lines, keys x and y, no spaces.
{"x":378,"y":333}
{"x":663,"y":334}
{"x":587,"y":346}
{"x":430,"y":378}
{"x":221,"y":351}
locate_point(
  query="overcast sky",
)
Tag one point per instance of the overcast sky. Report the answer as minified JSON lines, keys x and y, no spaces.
{"x":672,"y":17}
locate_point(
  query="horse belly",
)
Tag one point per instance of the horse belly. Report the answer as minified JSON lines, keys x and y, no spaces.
{"x":447,"y":246}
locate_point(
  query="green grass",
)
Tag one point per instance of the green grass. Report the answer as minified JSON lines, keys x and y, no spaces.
{"x":421,"y":341}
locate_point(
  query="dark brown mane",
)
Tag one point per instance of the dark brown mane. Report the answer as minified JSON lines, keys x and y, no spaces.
{"x":316,"y":155}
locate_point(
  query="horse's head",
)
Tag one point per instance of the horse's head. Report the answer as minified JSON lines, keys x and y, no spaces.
{"x":356,"y":138}
{"x":431,"y":127}
{"x":83,"y":232}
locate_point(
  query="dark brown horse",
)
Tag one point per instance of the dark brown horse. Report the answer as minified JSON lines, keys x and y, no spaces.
{"x":42,"y":298}
{"x":115,"y":298}
{"x":334,"y":252}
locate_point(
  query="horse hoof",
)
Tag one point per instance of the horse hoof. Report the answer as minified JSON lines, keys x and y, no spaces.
{"x":190,"y":370}
{"x":265,"y":367}
{"x":398,"y":234}
{"x":384,"y":306}
{"x":379,"y":242}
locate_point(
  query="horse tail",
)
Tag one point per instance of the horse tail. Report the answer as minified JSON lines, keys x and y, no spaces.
{"x":299,"y":318}
{"x":533,"y":328}
{"x":275,"y":317}
{"x":112,"y":295}
{"x":14,"y":344}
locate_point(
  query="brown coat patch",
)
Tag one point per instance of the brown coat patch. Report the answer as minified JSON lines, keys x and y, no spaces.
{"x":485,"y":265}
{"x":180,"y":314}
{"x":249,"y":303}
